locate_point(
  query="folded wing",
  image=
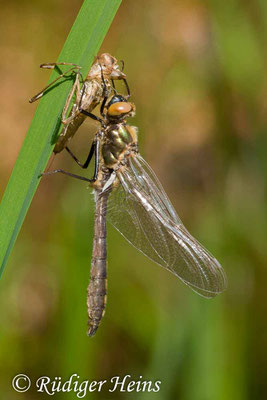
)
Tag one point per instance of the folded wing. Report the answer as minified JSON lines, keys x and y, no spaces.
{"x":141,"y":211}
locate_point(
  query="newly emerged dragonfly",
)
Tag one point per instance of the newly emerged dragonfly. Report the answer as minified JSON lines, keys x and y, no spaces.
{"x":97,"y":86}
{"x":129,"y":194}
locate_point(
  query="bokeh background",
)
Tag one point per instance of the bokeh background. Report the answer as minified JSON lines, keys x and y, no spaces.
{"x":197,"y":74}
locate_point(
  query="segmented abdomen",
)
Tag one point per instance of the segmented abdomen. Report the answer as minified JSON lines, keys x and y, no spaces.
{"x":96,"y":293}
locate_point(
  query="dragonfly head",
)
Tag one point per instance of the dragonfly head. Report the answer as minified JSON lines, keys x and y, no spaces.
{"x":119,"y":108}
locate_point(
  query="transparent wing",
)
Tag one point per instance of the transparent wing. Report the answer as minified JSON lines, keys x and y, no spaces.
{"x":141,"y":211}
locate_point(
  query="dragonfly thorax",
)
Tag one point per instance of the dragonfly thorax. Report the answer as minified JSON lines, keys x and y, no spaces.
{"x":119,"y":141}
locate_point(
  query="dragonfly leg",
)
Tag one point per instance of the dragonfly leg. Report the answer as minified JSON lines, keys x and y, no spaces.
{"x":122,"y":65}
{"x":51,"y":66}
{"x":127,"y":88}
{"x":93,"y":150}
{"x":76,"y":87}
{"x":103,"y":106}
{"x":88,"y":159}
{"x":125,"y":81}
{"x":105,"y":92}
{"x":93,"y":116}
{"x":97,"y":148}
{"x":56,"y":171}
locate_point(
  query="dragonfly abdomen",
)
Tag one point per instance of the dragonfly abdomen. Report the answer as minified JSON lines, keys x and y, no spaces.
{"x":97,"y":289}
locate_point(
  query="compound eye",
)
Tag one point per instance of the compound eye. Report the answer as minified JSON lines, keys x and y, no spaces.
{"x":120,"y":108}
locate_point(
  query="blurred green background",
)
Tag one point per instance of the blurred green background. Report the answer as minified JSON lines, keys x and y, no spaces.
{"x":197,"y":74}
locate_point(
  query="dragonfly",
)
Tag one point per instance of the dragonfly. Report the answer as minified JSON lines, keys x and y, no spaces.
{"x":129,"y":195}
{"x":96,"y":87}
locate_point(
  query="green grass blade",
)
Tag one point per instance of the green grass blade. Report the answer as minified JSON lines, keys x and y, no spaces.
{"x":82,"y":44}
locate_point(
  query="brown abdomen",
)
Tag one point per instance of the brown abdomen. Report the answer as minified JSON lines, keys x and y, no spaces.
{"x":96,"y":293}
